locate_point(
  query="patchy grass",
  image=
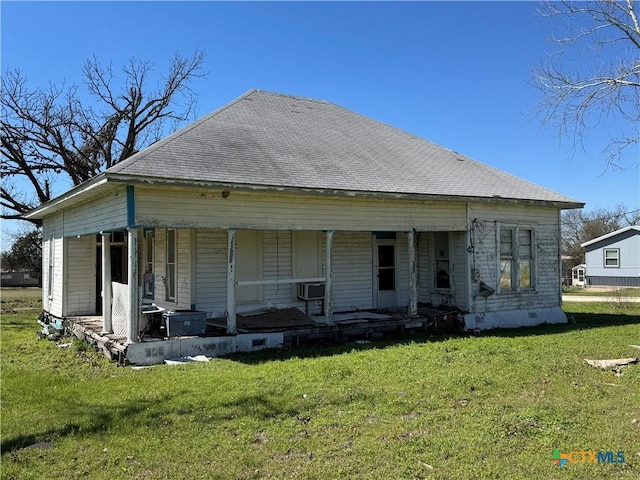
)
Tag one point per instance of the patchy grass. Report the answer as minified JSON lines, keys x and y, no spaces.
{"x":602,"y":292}
{"x":20,"y":299}
{"x":492,"y":406}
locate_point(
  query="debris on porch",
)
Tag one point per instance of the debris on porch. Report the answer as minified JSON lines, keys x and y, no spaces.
{"x":88,"y":328}
{"x":267,"y":320}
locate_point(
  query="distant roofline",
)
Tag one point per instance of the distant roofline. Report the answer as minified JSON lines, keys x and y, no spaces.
{"x":609,"y":235}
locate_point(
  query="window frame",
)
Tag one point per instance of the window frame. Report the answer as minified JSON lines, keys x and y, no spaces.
{"x":149,"y":257}
{"x":517,"y":254}
{"x":616,"y":258}
{"x":171,"y":277}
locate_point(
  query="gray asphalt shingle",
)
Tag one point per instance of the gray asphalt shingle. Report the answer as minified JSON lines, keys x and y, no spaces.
{"x":270,"y":139}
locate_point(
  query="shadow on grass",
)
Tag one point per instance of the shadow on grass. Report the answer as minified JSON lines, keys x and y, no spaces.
{"x":98,"y":418}
{"x":577,"y":321}
{"x":161,"y":412}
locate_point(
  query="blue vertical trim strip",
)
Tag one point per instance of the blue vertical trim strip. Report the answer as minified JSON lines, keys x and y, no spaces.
{"x":131,"y":206}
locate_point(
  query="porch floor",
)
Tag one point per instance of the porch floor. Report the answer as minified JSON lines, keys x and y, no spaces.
{"x":296,"y":327}
{"x":89,"y":328}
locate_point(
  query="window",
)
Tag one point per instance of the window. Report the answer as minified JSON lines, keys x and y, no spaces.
{"x":148,"y":268}
{"x":525,"y":259}
{"x":516,"y":259}
{"x":441,"y":243}
{"x":612,"y":257}
{"x":171,"y":270}
{"x":506,"y":258}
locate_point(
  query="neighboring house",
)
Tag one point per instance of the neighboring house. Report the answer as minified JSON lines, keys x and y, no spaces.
{"x":578,"y":275}
{"x":244,"y":207}
{"x":18,"y":279}
{"x":614,"y":259}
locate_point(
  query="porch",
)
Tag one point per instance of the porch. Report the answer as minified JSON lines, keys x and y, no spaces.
{"x":276,"y":328}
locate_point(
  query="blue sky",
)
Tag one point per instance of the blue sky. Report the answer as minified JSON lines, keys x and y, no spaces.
{"x":455,"y":73}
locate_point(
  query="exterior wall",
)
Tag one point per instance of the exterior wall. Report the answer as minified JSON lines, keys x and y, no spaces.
{"x":184,"y":300}
{"x":201,"y":217}
{"x":80,"y":275}
{"x":277,"y":264}
{"x":484,"y":224}
{"x":211,"y":271}
{"x":459,"y":277}
{"x":352,"y":265}
{"x":629,"y":245}
{"x":105,"y":213}
{"x":613,"y":281}
{"x":205,"y":208}
{"x":352,"y":271}
{"x":52,"y":265}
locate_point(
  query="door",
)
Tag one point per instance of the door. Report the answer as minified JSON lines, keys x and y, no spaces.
{"x":385,"y":274}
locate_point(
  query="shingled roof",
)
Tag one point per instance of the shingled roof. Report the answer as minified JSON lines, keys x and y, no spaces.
{"x":272,"y":140}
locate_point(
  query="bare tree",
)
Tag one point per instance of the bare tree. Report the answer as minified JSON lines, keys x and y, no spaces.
{"x":49,"y":132}
{"x":605,"y":34}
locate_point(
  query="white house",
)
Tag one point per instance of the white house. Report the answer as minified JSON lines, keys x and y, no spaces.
{"x":243,"y":208}
{"x":614,"y":259}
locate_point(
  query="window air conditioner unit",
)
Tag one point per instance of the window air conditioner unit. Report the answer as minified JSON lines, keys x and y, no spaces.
{"x":311,"y":291}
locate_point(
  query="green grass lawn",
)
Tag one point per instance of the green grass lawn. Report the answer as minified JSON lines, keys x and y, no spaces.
{"x":492,"y":406}
{"x":602,"y":292}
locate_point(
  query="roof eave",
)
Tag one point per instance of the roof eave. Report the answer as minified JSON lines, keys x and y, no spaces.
{"x":610,"y":235}
{"x":147,"y":180}
{"x":63,"y":200}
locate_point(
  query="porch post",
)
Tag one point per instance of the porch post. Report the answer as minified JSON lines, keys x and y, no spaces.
{"x":132,"y":282}
{"x":231,"y":282}
{"x":107,"y":327}
{"x":413,"y":281}
{"x":328,"y":286}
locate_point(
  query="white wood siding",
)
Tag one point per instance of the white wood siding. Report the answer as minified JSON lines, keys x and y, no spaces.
{"x":277,"y":265}
{"x":108,"y":212}
{"x":402,"y":269}
{"x":183,"y":284}
{"x":458,"y":267}
{"x":184,"y":242}
{"x":485,"y":221}
{"x":352,"y":263}
{"x":52,"y":285}
{"x":202,"y":208}
{"x":211,"y":271}
{"x":80,"y":274}
{"x":458,"y":275}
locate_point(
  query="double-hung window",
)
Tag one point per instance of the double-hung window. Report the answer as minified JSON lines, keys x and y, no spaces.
{"x":612,"y":258}
{"x":516,"y":259}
